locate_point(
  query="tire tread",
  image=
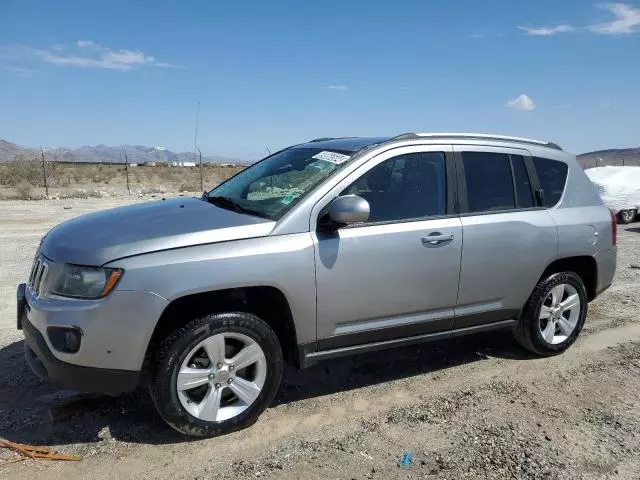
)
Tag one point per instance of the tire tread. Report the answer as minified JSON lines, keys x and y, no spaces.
{"x":188,"y":425}
{"x":524,"y":330}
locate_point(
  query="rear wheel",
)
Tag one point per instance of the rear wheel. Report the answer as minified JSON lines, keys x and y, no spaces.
{"x":217,"y":374}
{"x":554,"y":314}
{"x":627,"y":216}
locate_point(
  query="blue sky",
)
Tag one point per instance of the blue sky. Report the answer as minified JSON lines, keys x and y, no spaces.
{"x":275,"y":73}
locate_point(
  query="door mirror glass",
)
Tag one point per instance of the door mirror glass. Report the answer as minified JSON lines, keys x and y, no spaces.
{"x":349,"y":209}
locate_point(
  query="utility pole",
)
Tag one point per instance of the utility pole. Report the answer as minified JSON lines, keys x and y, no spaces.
{"x":126,"y":167}
{"x":201,"y":180}
{"x":195,"y":138}
{"x":44,"y":174}
{"x":195,"y":145}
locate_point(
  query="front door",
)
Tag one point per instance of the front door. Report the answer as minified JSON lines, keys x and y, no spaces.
{"x":396,"y":275}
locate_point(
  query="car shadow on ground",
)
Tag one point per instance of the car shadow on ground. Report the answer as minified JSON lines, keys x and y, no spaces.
{"x":36,"y":412}
{"x":633,"y":229}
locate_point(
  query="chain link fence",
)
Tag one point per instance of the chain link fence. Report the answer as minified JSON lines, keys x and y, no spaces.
{"x":29,"y":177}
{"x":32,"y":177}
{"x":618,"y":161}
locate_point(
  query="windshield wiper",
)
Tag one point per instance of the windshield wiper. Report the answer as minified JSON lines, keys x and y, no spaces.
{"x":230,"y":204}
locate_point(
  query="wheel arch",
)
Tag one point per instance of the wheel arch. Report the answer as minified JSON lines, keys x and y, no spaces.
{"x":585,"y":266}
{"x":267,"y":302}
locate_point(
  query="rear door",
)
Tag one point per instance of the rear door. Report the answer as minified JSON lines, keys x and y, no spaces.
{"x":509,"y":238}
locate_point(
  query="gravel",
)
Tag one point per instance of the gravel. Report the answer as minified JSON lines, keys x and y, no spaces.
{"x":476,"y":407}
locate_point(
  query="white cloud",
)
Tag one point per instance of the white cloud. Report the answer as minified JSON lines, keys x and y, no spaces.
{"x":336,"y":87}
{"x":627,"y":20}
{"x":126,"y":57}
{"x":91,"y":55}
{"x":547,"y":31}
{"x":20,"y":71}
{"x":167,"y":65}
{"x":522,"y":102}
{"x":475,"y":36}
{"x":89,"y":44}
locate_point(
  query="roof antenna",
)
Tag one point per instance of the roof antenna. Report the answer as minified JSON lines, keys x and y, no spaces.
{"x":195,"y":138}
{"x":268,"y":151}
{"x":195,"y":145}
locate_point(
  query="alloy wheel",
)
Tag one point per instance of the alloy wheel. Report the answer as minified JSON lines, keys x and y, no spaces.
{"x":559,"y":313}
{"x":221,"y":377}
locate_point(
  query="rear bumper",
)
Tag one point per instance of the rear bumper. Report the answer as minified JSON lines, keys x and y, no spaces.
{"x":76,"y":377}
{"x":606,"y":261}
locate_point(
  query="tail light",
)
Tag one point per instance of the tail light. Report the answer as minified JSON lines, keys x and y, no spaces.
{"x":614,"y":227}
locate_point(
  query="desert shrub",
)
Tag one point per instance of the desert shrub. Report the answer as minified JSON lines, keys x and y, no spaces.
{"x":21,"y":171}
{"x":153,"y":189}
{"x":81,"y":193}
{"x":24,"y":191}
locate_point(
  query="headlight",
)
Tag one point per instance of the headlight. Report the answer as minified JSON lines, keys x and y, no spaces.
{"x":85,"y":282}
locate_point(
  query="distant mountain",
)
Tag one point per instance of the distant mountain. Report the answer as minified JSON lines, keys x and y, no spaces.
{"x":620,"y":156}
{"x":141,"y":154}
{"x":8,"y":151}
{"x":105,"y":154}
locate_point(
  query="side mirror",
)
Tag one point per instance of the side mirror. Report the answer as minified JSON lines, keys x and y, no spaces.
{"x":348,"y":209}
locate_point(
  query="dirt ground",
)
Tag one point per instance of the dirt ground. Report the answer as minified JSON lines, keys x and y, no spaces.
{"x":477,"y":407}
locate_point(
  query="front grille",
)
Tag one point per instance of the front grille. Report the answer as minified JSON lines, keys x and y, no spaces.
{"x":38,"y":275}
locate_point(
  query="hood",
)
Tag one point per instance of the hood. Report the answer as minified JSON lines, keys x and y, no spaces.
{"x":101,"y":237}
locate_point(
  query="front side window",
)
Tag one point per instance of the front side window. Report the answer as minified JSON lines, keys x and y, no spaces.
{"x":553,"y":176}
{"x":405,"y":187}
{"x":489,"y":181}
{"x":270,"y":187}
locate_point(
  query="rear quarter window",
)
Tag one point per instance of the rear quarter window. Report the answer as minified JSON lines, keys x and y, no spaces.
{"x":553,"y":177}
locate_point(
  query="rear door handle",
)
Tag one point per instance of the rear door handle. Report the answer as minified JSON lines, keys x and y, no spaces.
{"x":436,"y":239}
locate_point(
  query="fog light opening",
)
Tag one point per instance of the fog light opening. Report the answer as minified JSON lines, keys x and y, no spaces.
{"x":65,"y":339}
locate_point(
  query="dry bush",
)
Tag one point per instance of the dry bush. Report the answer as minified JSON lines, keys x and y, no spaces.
{"x":21,"y":171}
{"x":157,"y":179}
{"x":81,"y":193}
{"x":24,"y":191}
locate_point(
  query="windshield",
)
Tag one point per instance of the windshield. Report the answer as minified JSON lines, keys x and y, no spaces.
{"x":272,"y":186}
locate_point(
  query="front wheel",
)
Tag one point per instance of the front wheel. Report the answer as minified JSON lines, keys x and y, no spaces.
{"x":627,"y":216}
{"x":554,"y":314}
{"x":217,"y":374}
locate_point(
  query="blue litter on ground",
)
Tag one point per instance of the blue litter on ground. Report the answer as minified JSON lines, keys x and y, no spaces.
{"x":406,"y":460}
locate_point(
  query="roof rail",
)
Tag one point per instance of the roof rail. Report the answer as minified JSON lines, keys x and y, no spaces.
{"x":324,"y":139}
{"x":477,"y":136}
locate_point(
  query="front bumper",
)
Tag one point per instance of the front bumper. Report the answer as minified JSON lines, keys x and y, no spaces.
{"x":76,"y":377}
{"x":115,"y":330}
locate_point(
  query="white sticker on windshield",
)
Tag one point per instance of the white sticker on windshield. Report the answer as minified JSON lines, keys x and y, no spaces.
{"x":333,"y":157}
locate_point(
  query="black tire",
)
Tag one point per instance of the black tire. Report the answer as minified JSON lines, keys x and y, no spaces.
{"x":174,"y":349}
{"x":527,"y":331}
{"x":626,"y":216}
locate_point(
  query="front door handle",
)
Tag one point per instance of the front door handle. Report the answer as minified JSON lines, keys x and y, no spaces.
{"x":436,"y":239}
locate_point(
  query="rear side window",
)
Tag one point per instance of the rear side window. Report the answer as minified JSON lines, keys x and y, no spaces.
{"x":553,"y":176}
{"x":524,"y":194}
{"x":489,"y":181}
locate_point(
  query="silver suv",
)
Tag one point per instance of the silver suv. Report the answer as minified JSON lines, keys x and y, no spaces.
{"x":324,"y":249}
